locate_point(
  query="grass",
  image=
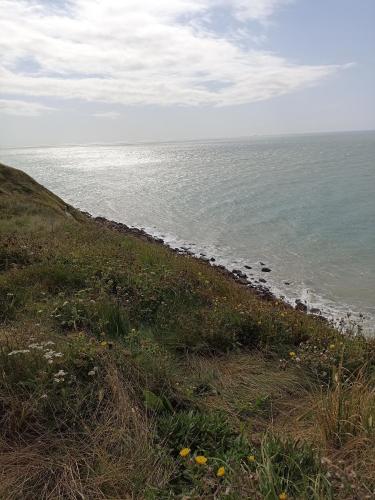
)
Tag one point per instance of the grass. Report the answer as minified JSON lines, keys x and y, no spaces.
{"x":116,"y":353}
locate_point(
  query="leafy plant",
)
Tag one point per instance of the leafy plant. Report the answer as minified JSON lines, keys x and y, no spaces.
{"x":292,"y":467}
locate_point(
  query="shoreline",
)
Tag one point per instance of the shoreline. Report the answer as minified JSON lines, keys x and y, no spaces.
{"x":239,"y":277}
{"x":345,"y":322}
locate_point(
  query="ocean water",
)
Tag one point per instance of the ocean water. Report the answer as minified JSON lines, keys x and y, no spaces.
{"x":304,"y":205}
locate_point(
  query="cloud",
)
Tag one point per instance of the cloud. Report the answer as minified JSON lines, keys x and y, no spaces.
{"x":111,"y":115}
{"x":138,"y":52}
{"x":22,"y":108}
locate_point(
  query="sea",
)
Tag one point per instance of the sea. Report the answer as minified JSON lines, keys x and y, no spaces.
{"x":301,"y":205}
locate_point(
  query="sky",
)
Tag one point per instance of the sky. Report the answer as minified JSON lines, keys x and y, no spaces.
{"x":89,"y":71}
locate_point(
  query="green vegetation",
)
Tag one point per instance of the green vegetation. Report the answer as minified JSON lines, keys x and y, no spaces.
{"x":128,"y":371}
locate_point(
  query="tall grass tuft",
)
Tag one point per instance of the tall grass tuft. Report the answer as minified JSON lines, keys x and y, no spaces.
{"x":347,"y":409}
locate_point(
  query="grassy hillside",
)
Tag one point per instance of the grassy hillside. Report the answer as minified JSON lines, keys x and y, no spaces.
{"x":128,"y":371}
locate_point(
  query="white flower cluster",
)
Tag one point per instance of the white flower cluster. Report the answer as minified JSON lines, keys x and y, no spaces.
{"x":59,"y":376}
{"x":93,"y":371}
{"x":48,"y":354}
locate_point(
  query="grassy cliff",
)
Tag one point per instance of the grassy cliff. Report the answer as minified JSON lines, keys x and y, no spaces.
{"x":117,"y":354}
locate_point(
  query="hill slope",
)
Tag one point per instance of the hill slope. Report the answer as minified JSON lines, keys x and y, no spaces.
{"x":117,"y":354}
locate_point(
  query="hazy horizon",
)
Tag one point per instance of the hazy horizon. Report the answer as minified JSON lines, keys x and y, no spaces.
{"x":187,"y":140}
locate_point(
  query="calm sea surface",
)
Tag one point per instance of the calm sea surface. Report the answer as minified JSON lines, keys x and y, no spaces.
{"x":304,"y":205}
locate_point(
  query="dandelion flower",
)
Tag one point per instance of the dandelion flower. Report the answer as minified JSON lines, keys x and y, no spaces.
{"x":184,"y":452}
{"x":283,"y":496}
{"x":103,"y":343}
{"x":292,"y":354}
{"x":332,"y":346}
{"x":220,"y":472}
{"x":201,"y":459}
{"x":251,"y":458}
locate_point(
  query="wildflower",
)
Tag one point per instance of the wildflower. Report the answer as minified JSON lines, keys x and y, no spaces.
{"x":292,"y":354}
{"x":20,"y":351}
{"x":251,"y":458}
{"x":43,"y":396}
{"x":184,"y":452}
{"x":93,"y":371}
{"x":103,"y":343}
{"x":220,"y":472}
{"x":60,"y":373}
{"x":201,"y":460}
{"x":332,"y":346}
{"x":35,"y":346}
{"x":283,"y":496}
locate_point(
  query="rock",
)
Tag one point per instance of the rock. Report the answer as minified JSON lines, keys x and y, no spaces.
{"x":315,"y":310}
{"x":286,"y":283}
{"x":266,"y":270}
{"x":262,"y":280}
{"x":262,"y":263}
{"x":248,"y":267}
{"x":212,"y":259}
{"x":300,"y":306}
{"x":242,"y":281}
{"x":239,"y":273}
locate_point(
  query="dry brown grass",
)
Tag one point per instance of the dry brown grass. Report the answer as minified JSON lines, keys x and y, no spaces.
{"x":113,"y":457}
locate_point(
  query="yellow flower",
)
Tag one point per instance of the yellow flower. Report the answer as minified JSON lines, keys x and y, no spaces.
{"x":200,"y":459}
{"x":220,"y":472}
{"x":184,"y":452}
{"x":292,"y":354}
{"x":251,"y":458}
{"x":332,"y":346}
{"x":283,"y":496}
{"x":103,"y":343}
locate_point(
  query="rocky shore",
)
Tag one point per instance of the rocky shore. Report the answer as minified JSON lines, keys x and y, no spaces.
{"x":241,"y":278}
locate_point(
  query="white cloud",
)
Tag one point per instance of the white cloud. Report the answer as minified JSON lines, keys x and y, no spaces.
{"x":22,"y":108}
{"x":258,"y":10}
{"x":142,"y":52}
{"x":111,"y":115}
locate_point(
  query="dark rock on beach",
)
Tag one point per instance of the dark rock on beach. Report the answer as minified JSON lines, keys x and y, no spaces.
{"x":243,"y":281}
{"x":266,"y":270}
{"x":239,"y":273}
{"x":300,"y":306}
{"x":247,"y":267}
{"x":315,"y":310}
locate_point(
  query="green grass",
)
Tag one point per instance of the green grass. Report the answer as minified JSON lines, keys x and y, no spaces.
{"x":116,"y":353}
